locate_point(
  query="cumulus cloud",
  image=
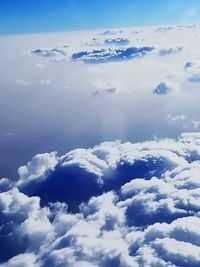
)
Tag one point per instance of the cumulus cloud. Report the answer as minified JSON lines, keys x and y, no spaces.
{"x":22,"y":222}
{"x":5,"y":184}
{"x":45,"y":82}
{"x":104,"y":167}
{"x":22,"y":82}
{"x":195,"y":78}
{"x":182,"y":121}
{"x":108,"y":32}
{"x":162,"y":89}
{"x":178,"y":120}
{"x":117,"y":204}
{"x":192,"y":68}
{"x":40,"y":66}
{"x":57,"y":53}
{"x":116,"y":41}
{"x":22,"y":260}
{"x":188,"y":65}
{"x":164,"y":29}
{"x":170,"y":51}
{"x":110,"y":54}
{"x":167,"y":87}
{"x":37,"y":167}
{"x":105,"y":88}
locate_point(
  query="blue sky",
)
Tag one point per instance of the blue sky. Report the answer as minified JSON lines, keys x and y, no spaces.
{"x":24,"y":16}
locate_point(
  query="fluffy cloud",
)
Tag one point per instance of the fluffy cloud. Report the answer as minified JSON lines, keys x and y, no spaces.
{"x":23,"y":224}
{"x":110,"y":54}
{"x":170,"y":51}
{"x":183,"y":121}
{"x":116,"y":41}
{"x":22,"y":82}
{"x":22,"y":260}
{"x":162,"y":89}
{"x":164,"y":29}
{"x":117,"y":204}
{"x":103,"y":168}
{"x":192,"y":68}
{"x":108,"y":32}
{"x":195,"y":78}
{"x":167,"y":87}
{"x":57,"y":53}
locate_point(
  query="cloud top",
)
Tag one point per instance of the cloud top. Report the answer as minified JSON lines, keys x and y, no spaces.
{"x":110,"y":54}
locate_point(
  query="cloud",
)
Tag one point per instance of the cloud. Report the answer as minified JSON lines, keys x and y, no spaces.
{"x":183,"y":121}
{"x":170,"y":51}
{"x":22,"y":82}
{"x":58,"y":53}
{"x":40,"y":66}
{"x":178,"y":121}
{"x":162,"y":89}
{"x":5,"y":184}
{"x":107,"y":88}
{"x":192,"y":68}
{"x":111,"y":90}
{"x":109,"y":55}
{"x":117,"y":204}
{"x":37,"y":167}
{"x":116,"y":41}
{"x":108,"y":32}
{"x":172,"y":244}
{"x":22,"y":260}
{"x":45,"y":82}
{"x":188,"y":65}
{"x":195,"y":78}
{"x":102,"y":167}
{"x":119,"y":113}
{"x":164,"y":29}
{"x":154,"y":201}
{"x":167,"y":87}
{"x":23,"y":224}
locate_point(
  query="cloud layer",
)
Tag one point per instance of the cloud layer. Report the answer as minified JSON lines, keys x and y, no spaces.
{"x":117,"y":204}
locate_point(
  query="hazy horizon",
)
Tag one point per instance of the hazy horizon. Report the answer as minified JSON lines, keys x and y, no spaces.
{"x":34,"y":16}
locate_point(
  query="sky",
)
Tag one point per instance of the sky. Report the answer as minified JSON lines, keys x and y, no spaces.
{"x":22,"y":16}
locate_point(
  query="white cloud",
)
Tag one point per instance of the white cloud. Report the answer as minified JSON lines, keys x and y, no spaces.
{"x":118,"y":203}
{"x":36,"y":168}
{"x":146,"y":214}
{"x":58,"y":53}
{"x":178,"y":120}
{"x":45,"y":82}
{"x":170,"y":51}
{"x":116,"y":41}
{"x":167,"y":87}
{"x":110,"y":54}
{"x":22,"y":82}
{"x":40,"y":66}
{"x":183,"y":122}
{"x":22,"y":260}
